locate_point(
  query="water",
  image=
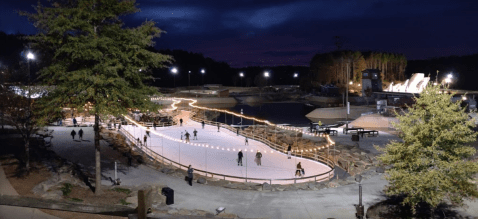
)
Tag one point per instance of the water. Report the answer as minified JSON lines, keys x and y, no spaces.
{"x":278,"y":113}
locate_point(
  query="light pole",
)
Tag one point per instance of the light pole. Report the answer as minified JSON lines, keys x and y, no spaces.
{"x":296,"y":75}
{"x":241,"y":74}
{"x":359,"y":208}
{"x":266,"y":74}
{"x":448,"y":79}
{"x":202,"y":74}
{"x":347,"y":100}
{"x":189,"y":81}
{"x":436,"y":79}
{"x":174,"y":71}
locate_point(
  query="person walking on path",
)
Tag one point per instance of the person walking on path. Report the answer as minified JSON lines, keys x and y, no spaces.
{"x":73,"y":133}
{"x":239,"y":158}
{"x":190,"y":175}
{"x":181,"y":122}
{"x":218,"y":127}
{"x":130,"y":157}
{"x":258,"y":158}
{"x":202,"y":123}
{"x":299,"y":170}
{"x":195,"y":135}
{"x":80,"y":134}
{"x":247,"y":142}
{"x":145,"y":138}
{"x":187,"y":136}
{"x":289,"y":151}
{"x":74,"y":122}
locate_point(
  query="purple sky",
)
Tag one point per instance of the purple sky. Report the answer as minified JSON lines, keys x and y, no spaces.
{"x":283,"y":32}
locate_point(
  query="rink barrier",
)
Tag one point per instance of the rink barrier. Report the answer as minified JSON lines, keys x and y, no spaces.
{"x":164,"y":160}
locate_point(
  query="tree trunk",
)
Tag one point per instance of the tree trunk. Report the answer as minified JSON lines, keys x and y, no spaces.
{"x":97,"y":155}
{"x":27,"y":154}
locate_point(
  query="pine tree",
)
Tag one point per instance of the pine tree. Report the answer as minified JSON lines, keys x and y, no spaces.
{"x":431,"y":164}
{"x":96,"y":61}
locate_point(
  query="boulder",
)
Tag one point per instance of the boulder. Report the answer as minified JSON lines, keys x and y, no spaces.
{"x":266,"y":187}
{"x":201,"y":180}
{"x":57,"y":194}
{"x":312,"y":185}
{"x":380,"y":170}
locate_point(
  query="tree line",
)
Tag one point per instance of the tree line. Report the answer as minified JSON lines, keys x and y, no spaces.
{"x":332,"y":67}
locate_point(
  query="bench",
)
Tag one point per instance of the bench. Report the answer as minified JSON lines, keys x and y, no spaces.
{"x":346,"y":130}
{"x":328,"y":131}
{"x":369,"y":132}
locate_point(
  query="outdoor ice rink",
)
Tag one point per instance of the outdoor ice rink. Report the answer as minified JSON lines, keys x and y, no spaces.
{"x":220,"y":157}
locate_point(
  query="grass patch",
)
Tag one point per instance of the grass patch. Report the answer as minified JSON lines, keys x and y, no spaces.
{"x":122,"y":190}
{"x":124,"y":202}
{"x":76,"y":199}
{"x":66,"y":189}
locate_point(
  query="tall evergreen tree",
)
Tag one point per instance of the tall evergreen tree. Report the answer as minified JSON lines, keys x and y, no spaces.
{"x":431,"y":164}
{"x":96,"y":60}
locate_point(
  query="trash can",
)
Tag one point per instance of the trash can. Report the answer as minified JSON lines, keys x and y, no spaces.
{"x":169,"y":193}
{"x":355,"y":137}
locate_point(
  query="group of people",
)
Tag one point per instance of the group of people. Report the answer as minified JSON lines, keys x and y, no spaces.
{"x":80,"y":134}
{"x":258,"y":158}
{"x":187,"y":135}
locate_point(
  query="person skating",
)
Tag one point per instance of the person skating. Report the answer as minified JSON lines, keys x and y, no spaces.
{"x":181,"y":122}
{"x":239,"y":158}
{"x":289,"y":151}
{"x":145,"y":138}
{"x":195,"y":134}
{"x":218,"y":127}
{"x":74,"y":122}
{"x":80,"y":134}
{"x":202,"y":123}
{"x":258,"y":158}
{"x":237,"y":131}
{"x":73,"y":133}
{"x":187,"y":136}
{"x":147,"y":132}
{"x":190,"y":175}
{"x":298,"y":170}
{"x":154,"y":124}
{"x":119,"y":126}
{"x":181,"y":135}
{"x":246,"y":142}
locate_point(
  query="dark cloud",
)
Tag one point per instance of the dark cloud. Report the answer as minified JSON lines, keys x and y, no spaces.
{"x":275,"y":32}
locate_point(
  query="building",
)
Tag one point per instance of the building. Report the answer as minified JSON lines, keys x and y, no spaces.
{"x":371,"y":81}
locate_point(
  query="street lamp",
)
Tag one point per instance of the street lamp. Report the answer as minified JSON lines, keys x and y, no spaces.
{"x":202,"y":73}
{"x":296,"y":75}
{"x":359,"y":208}
{"x":174,"y":70}
{"x":266,"y":74}
{"x":189,"y":79}
{"x":241,"y":74}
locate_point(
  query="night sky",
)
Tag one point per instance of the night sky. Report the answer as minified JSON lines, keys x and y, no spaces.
{"x":284,"y":32}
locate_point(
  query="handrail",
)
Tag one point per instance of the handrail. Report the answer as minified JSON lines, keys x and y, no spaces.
{"x":155,"y":156}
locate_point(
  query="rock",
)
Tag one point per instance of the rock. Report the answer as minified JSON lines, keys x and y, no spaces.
{"x":231,"y":186}
{"x":311,"y":185}
{"x":201,"y":180}
{"x":184,"y":212}
{"x":280,"y":188}
{"x":133,"y":200}
{"x":333,"y":184}
{"x":173,"y":211}
{"x":363,"y":153}
{"x":57,"y":194}
{"x":380,"y":170}
{"x":266,"y":187}
{"x":321,"y":186}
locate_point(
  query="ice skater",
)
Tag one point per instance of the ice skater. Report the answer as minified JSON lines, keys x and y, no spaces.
{"x":80,"y":134}
{"x":202,"y":123}
{"x":218,"y":127}
{"x":237,"y":131}
{"x":154,"y":125}
{"x":195,"y":134}
{"x":187,"y":136}
{"x":73,"y":133}
{"x":289,"y":151}
{"x":239,"y":158}
{"x":119,"y":126}
{"x":145,"y":138}
{"x":190,"y":175}
{"x":246,"y":142}
{"x":298,"y":170}
{"x":74,"y":122}
{"x":258,"y":158}
{"x":181,"y":122}
{"x":147,"y":132}
{"x":181,"y":135}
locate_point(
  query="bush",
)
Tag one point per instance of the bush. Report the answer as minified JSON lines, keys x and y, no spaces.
{"x":66,"y":189}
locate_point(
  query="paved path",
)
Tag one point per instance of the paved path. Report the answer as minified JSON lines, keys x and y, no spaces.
{"x":12,"y":212}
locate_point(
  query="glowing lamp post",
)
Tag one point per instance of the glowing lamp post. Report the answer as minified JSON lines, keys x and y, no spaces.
{"x":266,"y":74}
{"x":202,"y":74}
{"x":359,"y":208}
{"x":174,"y":71}
{"x":296,"y":75}
{"x":242,"y":76}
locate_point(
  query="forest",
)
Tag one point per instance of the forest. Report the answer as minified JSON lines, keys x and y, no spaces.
{"x":332,"y":67}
